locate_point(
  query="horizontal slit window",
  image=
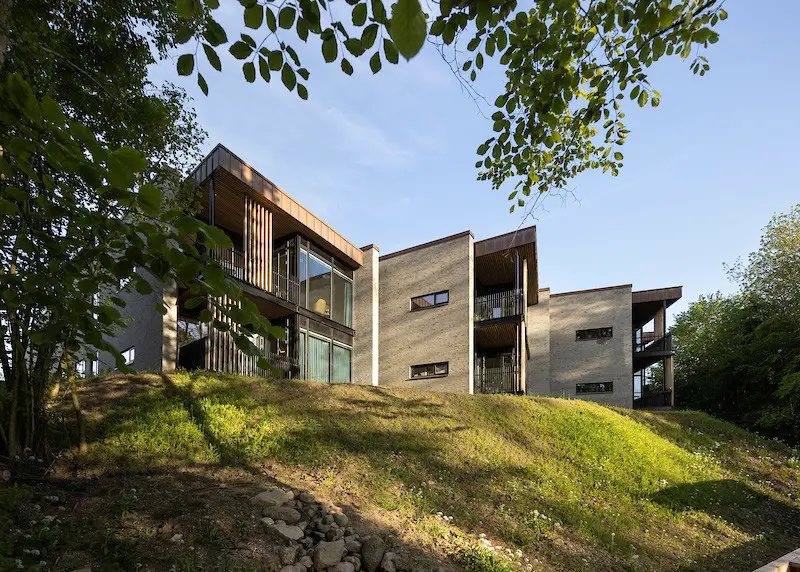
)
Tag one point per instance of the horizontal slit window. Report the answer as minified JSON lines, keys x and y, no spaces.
{"x":602,"y":387}
{"x":594,"y":334}
{"x":430,"y":370}
{"x":430,"y":300}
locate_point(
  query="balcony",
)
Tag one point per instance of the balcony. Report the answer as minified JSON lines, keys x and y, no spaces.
{"x":498,"y":305}
{"x":232,"y":261}
{"x":496,"y":379}
{"x":648,"y":343}
{"x":652,"y":399}
{"x":192,"y":356}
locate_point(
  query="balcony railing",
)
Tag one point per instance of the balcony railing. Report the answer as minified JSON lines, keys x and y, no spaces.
{"x":652,"y":398}
{"x":498,"y":305}
{"x":285,"y":287}
{"x":231,"y":260}
{"x":497,"y":379}
{"x":662,"y":344}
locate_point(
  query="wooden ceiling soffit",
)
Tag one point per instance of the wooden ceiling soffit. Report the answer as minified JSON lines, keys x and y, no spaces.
{"x":277,"y":200}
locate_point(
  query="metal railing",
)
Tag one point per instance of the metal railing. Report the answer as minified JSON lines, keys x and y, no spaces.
{"x":662,"y":344}
{"x":231,"y":260}
{"x":286,"y":287}
{"x":497,"y":379}
{"x":652,"y":398}
{"x":498,"y":305}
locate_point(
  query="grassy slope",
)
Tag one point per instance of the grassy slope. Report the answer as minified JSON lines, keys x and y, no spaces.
{"x":621,"y":490}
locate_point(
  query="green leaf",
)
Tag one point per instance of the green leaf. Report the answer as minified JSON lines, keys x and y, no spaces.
{"x":201,"y":81}
{"x":378,"y":11}
{"x":369,"y":36}
{"x":275,"y":60}
{"x":249,"y":70}
{"x":254,"y":16}
{"x":286,"y":17}
{"x":302,"y":91}
{"x":346,"y":67}
{"x":215,"y":34}
{"x":354,"y":46}
{"x":8,"y":208}
{"x":240,"y":50}
{"x":271,"y":23}
{"x":330,"y":49}
{"x":212,"y":57}
{"x":375,"y":62}
{"x":185,"y":64}
{"x":618,"y":156}
{"x":390,"y":51}
{"x":263,"y":68}
{"x":643,"y":98}
{"x":288,"y":77}
{"x":359,"y":14}
{"x":187,"y":9}
{"x":407,"y":27}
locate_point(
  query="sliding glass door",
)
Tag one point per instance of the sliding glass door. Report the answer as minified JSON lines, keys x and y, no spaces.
{"x":327,"y":361}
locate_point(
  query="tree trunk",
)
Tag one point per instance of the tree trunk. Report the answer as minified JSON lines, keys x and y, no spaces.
{"x":76,"y":404}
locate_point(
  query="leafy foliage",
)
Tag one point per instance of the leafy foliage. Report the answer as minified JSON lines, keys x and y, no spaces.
{"x":739,"y":356}
{"x":569,"y":65}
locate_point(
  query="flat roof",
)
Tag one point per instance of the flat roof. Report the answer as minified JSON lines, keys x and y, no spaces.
{"x":670,"y":294}
{"x":427,"y":244}
{"x":275,"y":199}
{"x":591,"y":290}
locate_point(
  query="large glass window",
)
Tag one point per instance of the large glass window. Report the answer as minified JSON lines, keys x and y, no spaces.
{"x":319,"y":286}
{"x":342,"y":300}
{"x":303,"y":277}
{"x":342,"y":358}
{"x":319,"y":351}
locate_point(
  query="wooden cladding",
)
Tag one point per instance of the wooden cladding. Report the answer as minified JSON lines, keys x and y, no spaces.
{"x":257,"y":243}
{"x":221,"y":351}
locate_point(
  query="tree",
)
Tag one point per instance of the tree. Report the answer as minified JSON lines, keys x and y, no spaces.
{"x":739,"y":356}
{"x":88,"y":147}
{"x":569,"y":65}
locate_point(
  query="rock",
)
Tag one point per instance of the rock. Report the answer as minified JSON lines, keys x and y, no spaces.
{"x":372,"y":550}
{"x":307,"y":498}
{"x":302,"y":525}
{"x":334,"y":534}
{"x":273,"y":496}
{"x":294,"y":568}
{"x":284,"y":513}
{"x":343,"y":567}
{"x":341,"y":519}
{"x":350,"y":532}
{"x":84,"y":569}
{"x":176,"y":538}
{"x":288,"y":555}
{"x":307,"y":542}
{"x":306,"y":561}
{"x":268,"y":521}
{"x":323,"y":528}
{"x":286,"y":531}
{"x":355,"y":561}
{"x":328,"y":554}
{"x":388,"y":563}
{"x":352,"y":545}
{"x":327,"y":519}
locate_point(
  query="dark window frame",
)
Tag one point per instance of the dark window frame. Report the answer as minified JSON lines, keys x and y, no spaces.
{"x":432,"y":367}
{"x":600,"y":387}
{"x":594,"y":334}
{"x":435,"y":304}
{"x":131,"y":349}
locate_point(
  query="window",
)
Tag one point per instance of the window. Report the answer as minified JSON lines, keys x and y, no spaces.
{"x":80,"y":369}
{"x":341,"y":364}
{"x":430,"y":370}
{"x":94,"y":367}
{"x":129,"y":355}
{"x":430,"y":300}
{"x":594,"y":334}
{"x":342,"y":310}
{"x":604,"y":387}
{"x":319,"y":286}
{"x":319,"y":352}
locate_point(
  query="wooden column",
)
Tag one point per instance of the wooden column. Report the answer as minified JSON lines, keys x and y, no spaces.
{"x":257,"y":243}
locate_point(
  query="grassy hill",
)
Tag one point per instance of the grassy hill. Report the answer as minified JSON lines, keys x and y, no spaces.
{"x":548,"y":484}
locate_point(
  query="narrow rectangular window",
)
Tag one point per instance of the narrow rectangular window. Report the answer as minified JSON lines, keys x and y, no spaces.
{"x":602,"y":387}
{"x":430,"y":300}
{"x":440,"y":369}
{"x":342,"y":358}
{"x":594,"y":334}
{"x":129,"y":355}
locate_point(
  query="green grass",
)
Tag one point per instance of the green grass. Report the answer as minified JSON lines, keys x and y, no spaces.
{"x":555,"y":484}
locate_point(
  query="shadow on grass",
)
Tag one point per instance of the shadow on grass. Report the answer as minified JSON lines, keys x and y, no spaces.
{"x":405,"y":443}
{"x":774,"y":524}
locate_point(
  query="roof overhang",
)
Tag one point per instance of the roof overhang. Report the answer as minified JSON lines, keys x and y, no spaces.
{"x":646,"y":303}
{"x":277,"y":201}
{"x":495,"y":259}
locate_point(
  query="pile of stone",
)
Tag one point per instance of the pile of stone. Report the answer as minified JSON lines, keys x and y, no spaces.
{"x":318,"y":538}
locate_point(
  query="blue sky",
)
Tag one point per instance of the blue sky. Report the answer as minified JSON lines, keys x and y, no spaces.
{"x":389,"y":159}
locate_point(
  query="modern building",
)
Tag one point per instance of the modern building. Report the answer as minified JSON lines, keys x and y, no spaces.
{"x":454,"y":314}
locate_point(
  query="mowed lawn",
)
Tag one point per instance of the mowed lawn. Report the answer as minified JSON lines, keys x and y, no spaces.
{"x":556,"y":484}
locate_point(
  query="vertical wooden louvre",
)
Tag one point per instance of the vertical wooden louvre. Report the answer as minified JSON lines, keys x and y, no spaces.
{"x":257,"y":243}
{"x":221,"y":351}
